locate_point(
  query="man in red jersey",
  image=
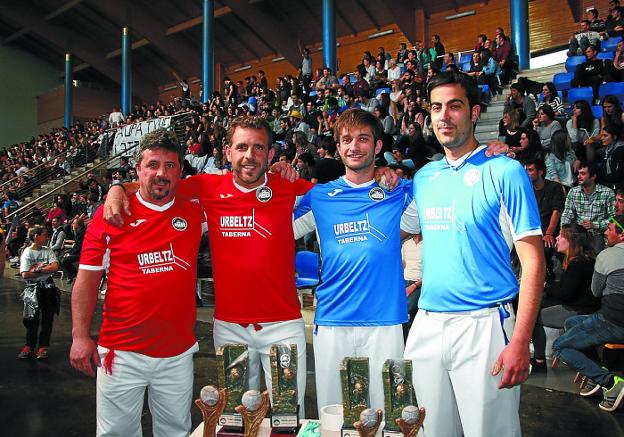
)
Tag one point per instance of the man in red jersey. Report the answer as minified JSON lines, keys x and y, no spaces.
{"x":147,"y":335}
{"x":251,"y":237}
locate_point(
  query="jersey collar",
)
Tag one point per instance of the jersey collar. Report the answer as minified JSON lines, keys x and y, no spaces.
{"x":149,"y":205}
{"x":249,"y":190}
{"x":459,"y":161}
{"x":352,"y":185}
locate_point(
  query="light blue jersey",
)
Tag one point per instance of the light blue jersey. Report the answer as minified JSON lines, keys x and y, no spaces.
{"x":361,"y":272}
{"x":470,"y":216}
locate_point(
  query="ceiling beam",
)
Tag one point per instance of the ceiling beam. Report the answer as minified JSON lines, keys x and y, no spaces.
{"x":368,"y":14}
{"x":81,"y":47}
{"x":195,"y":21}
{"x":404,"y":14}
{"x":181,"y":57}
{"x":346,"y":22}
{"x":244,"y":44}
{"x":263,"y":23}
{"x":58,"y":11}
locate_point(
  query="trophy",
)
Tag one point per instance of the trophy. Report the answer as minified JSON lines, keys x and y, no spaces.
{"x":369,"y":422}
{"x":211,"y":403}
{"x":285,"y":410}
{"x":253,"y":409}
{"x":398,"y":393}
{"x":411,"y":420}
{"x":354,"y":377}
{"x":232,"y":365}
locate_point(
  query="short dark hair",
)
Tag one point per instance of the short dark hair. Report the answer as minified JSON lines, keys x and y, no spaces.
{"x":249,"y":122}
{"x":455,"y":78}
{"x":593,"y":12}
{"x":159,"y":139}
{"x":328,"y":144}
{"x":618,"y":220}
{"x":538,"y":163}
{"x":592,"y":169}
{"x":358,"y":117}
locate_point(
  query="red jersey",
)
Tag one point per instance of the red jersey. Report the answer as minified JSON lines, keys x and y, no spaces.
{"x":252,"y":246}
{"x":150,"y":300}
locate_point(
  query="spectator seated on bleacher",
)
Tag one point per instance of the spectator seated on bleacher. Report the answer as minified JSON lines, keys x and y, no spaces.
{"x":605,"y":326}
{"x":615,"y":70}
{"x":328,"y":80}
{"x":612,"y":114}
{"x":560,"y":160}
{"x":509,"y":130}
{"x":551,"y":98}
{"x":524,"y":104}
{"x":583,"y":39}
{"x":568,"y":296}
{"x":70,"y":258}
{"x":591,"y":72}
{"x":595,"y":24}
{"x":545,"y":125}
{"x":582,"y":127}
{"x":608,"y":155}
{"x":394,"y":71}
{"x":615,"y":26}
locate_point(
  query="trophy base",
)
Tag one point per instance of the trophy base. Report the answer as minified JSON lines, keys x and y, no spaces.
{"x":391,"y":433}
{"x":349,"y":432}
{"x":285,"y":424}
{"x":230,"y":433}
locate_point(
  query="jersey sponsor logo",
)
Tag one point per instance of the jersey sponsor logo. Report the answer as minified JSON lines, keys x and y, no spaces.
{"x":237,"y":226}
{"x":160,"y":261}
{"x":377,"y":194}
{"x":471,"y":177}
{"x":441,"y":218}
{"x":179,"y":224}
{"x":137,"y":223}
{"x":264,"y":194}
{"x":226,"y":196}
{"x":357,"y":231}
{"x":334,"y":192}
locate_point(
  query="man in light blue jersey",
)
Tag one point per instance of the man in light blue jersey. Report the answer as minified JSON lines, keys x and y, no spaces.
{"x":361,"y":300}
{"x":473,"y":210}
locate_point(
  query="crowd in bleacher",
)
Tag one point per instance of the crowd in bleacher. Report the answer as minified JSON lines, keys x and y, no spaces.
{"x":554,"y":128}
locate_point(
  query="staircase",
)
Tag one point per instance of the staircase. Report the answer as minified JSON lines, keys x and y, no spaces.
{"x":487,"y":126}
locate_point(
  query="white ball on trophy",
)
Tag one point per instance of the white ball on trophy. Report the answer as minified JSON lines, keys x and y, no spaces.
{"x":251,"y":400}
{"x":410,"y":414}
{"x":368,"y":418}
{"x":209,"y":395}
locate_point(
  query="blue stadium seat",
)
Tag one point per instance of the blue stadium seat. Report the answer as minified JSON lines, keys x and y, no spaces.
{"x":313,"y":93}
{"x":403,"y":68}
{"x":307,"y":268}
{"x":615,"y":88}
{"x":465,"y":57}
{"x":572,"y":62}
{"x":609,"y":45}
{"x":562,"y":81}
{"x":465,"y":67}
{"x":582,"y":93}
{"x":352,"y":78}
{"x":597,"y":111}
{"x":606,"y":55}
{"x":382,"y":90}
{"x":485,"y":89}
{"x":540,"y":96}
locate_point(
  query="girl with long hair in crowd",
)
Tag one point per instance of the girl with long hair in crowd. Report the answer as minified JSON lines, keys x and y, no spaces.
{"x":582,"y":127}
{"x":545,"y":124}
{"x":551,"y":98}
{"x":509,"y":131}
{"x":571,"y":295}
{"x":560,"y":160}
{"x":530,"y":147}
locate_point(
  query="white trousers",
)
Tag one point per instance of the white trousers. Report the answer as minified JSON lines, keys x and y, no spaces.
{"x":452,"y":356}
{"x":259,"y":347}
{"x":334,"y":343}
{"x":120,"y":395}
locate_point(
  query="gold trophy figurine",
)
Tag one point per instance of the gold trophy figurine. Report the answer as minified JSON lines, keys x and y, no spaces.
{"x":211,"y":403}
{"x":411,"y":420}
{"x":369,"y":422}
{"x":254,"y":408}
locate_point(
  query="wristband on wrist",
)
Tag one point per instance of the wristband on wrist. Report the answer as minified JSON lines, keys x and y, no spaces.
{"x":118,"y":184}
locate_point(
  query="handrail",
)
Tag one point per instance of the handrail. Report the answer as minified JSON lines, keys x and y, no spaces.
{"x":27,"y":208}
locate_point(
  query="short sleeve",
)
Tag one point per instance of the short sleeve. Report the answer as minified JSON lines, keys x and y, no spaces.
{"x":94,"y":244}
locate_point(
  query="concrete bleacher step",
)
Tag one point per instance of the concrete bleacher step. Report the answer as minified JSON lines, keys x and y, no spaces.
{"x":543,"y":74}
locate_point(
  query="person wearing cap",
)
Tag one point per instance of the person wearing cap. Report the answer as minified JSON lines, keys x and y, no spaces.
{"x":297,"y":123}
